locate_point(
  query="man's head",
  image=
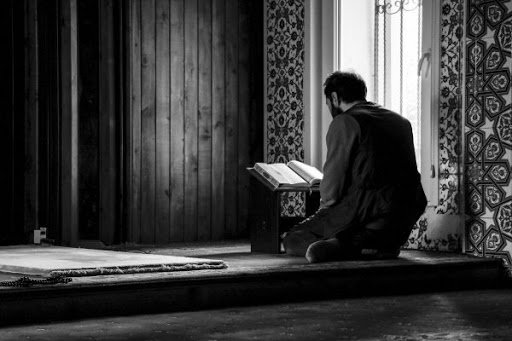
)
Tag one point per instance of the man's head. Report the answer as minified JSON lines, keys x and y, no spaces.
{"x":343,"y":89}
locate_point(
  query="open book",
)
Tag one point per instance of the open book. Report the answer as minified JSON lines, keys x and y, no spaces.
{"x":291,"y":174}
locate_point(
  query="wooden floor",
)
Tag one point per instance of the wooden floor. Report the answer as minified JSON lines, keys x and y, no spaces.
{"x":250,"y":279}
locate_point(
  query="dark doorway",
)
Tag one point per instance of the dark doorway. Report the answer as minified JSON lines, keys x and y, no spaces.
{"x":12,"y":123}
{"x":88,"y":119}
{"x":100,"y":37}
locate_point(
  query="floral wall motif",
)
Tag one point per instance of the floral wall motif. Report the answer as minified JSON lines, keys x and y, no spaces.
{"x":436,"y":232}
{"x":488,"y":129}
{"x":438,"y":228}
{"x":284,"y":87}
{"x":450,"y":106}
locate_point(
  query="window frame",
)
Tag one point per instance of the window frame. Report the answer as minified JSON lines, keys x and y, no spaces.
{"x":430,"y":101}
{"x":322,"y":56}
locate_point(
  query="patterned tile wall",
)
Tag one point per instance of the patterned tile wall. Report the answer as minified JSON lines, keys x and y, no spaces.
{"x":450,"y":106}
{"x":438,"y":229}
{"x":284,"y":87}
{"x":488,"y":129}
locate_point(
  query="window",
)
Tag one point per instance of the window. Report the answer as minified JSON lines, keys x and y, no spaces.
{"x":390,"y":43}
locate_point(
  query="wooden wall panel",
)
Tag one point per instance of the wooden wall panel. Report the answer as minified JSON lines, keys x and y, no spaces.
{"x":162,"y":121}
{"x":192,"y":101}
{"x":231,"y":116}
{"x":44,"y":101}
{"x":191,"y":119}
{"x":244,"y":116}
{"x":205,"y":121}
{"x":134,"y":123}
{"x":12,"y":120}
{"x":69,"y":121}
{"x":7,"y":142}
{"x":93,"y":98}
{"x":177,"y":166}
{"x":148,"y":122}
{"x":49,"y":113}
{"x":44,"y":174}
{"x":218,"y":121}
{"x":31,"y":119}
{"x":107,"y":121}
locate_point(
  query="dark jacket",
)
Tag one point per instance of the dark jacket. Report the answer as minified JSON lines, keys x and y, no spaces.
{"x":371,"y":168}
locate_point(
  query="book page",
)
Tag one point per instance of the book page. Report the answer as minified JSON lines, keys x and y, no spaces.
{"x":311,"y":174}
{"x":278,"y":174}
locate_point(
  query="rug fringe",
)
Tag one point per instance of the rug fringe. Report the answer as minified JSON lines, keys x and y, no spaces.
{"x":136,"y":269}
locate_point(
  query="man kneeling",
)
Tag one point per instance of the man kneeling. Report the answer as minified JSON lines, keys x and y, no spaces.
{"x":371,"y":194}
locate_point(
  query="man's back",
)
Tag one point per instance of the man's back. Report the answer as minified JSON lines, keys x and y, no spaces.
{"x":385,"y":152}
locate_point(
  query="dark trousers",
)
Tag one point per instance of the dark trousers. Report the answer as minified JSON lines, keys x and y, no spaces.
{"x":385,"y":233}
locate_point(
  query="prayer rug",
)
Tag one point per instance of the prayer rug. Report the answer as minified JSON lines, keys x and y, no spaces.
{"x":58,"y":261}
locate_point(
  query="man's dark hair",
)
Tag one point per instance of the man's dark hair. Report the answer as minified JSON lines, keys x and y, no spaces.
{"x":349,"y":86}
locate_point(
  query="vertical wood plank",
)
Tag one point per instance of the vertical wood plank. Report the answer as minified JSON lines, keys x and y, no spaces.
{"x":7,"y":124}
{"x":89,"y":153}
{"x":13,"y":122}
{"x":205,"y":121}
{"x":107,"y":124}
{"x":231,"y":162}
{"x":54,"y":122}
{"x":162,"y":121}
{"x":69,"y":105}
{"x":218,"y":119}
{"x":122,"y":34}
{"x":191,"y":119}
{"x":244,"y":110}
{"x":177,"y":121}
{"x":18,"y":68}
{"x":148,"y":165}
{"x":31,"y":206}
{"x":135,"y":122}
{"x":44,"y":96}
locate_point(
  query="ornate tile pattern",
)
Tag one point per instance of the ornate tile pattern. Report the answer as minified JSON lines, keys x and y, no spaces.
{"x":450,"y":104}
{"x":284,"y":84}
{"x":420,"y":238}
{"x":488,"y":129}
{"x":437,"y":229}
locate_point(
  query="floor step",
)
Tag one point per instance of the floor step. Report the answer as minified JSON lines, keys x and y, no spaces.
{"x":250,"y":279}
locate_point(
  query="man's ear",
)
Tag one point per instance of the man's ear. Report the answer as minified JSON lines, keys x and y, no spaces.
{"x":334,"y":99}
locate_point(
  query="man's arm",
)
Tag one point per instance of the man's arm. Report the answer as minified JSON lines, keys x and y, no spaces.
{"x":341,"y":139}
